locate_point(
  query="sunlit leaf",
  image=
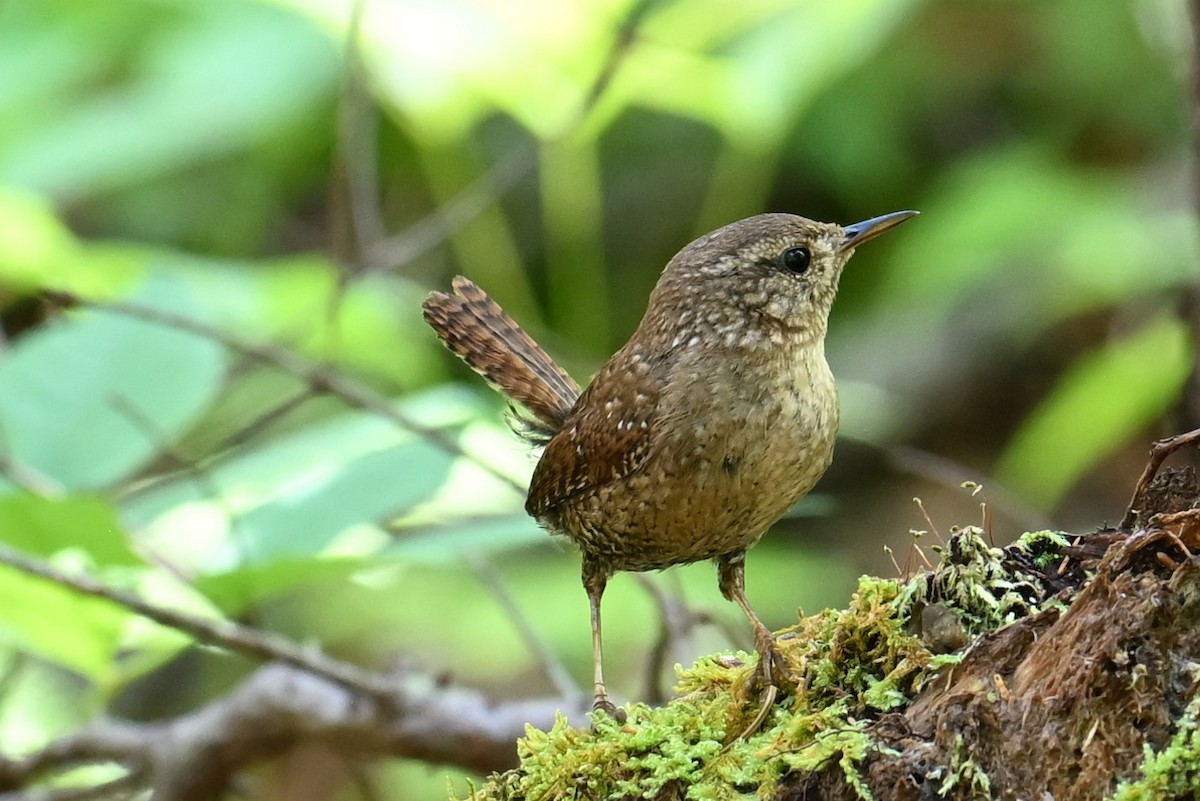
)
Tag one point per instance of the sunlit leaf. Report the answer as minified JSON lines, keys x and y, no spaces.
{"x":466,"y":535}
{"x":85,"y":401}
{"x":1105,"y":398}
{"x":235,"y":590}
{"x":270,"y":67}
{"x":31,"y":239}
{"x":59,"y":624}
{"x":748,"y":72}
{"x":305,"y":493}
{"x":536,"y":60}
{"x":46,"y":526}
{"x":40,"y":704}
{"x":311,"y":510}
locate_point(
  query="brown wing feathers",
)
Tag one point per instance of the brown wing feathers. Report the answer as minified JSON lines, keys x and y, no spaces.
{"x":478,"y":331}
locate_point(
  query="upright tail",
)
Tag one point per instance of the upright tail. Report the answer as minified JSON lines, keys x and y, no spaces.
{"x":477,"y":330}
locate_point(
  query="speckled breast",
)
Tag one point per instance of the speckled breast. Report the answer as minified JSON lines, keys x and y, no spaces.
{"x":735,"y":446}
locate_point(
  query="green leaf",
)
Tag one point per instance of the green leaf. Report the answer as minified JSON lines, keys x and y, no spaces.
{"x":45,"y":526}
{"x":309,"y":492}
{"x":985,"y":227}
{"x":319,"y":504}
{"x":1104,"y":399}
{"x":273,"y":68}
{"x":41,"y":703}
{"x":68,"y":627}
{"x":236,"y":590}
{"x":439,"y":543}
{"x":59,"y":624}
{"x":31,"y":239}
{"x":86,"y":401}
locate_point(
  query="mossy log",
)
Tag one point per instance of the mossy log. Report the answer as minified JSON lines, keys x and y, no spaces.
{"x":1062,"y":667}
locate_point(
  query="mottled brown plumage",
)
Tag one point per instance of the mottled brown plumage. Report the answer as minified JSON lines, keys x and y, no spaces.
{"x":717,"y":415}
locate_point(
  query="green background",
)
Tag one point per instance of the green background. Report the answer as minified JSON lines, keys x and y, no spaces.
{"x":299,"y":174}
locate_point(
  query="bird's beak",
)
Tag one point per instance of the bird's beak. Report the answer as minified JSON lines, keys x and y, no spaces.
{"x":869,"y":229}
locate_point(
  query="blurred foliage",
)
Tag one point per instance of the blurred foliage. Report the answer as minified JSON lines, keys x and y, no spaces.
{"x":298,"y":173}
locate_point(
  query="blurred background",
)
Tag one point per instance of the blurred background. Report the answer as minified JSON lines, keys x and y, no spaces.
{"x":293,"y":176}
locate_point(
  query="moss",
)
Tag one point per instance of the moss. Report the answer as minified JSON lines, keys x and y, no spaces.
{"x":964,"y":773}
{"x":843,"y":670}
{"x":1173,"y":772}
{"x":981,"y":584}
{"x":1044,"y":546}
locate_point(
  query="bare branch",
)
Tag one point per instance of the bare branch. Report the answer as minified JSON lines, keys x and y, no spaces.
{"x":279,"y":707}
{"x":227,"y":634}
{"x":1159,"y":451}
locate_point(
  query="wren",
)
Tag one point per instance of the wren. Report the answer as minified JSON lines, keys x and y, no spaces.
{"x":716,"y":416}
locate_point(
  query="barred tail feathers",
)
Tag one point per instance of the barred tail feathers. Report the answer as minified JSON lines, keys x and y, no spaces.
{"x":476,"y":329}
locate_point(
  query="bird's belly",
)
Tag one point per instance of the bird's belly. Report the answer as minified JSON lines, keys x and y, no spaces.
{"x":717,"y":483}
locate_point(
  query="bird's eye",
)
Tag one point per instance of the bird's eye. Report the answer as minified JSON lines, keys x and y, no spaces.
{"x":795,"y":260}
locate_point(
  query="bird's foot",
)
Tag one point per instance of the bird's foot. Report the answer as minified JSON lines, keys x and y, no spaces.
{"x":601,"y":703}
{"x":772,"y":669}
{"x":766,"y":678}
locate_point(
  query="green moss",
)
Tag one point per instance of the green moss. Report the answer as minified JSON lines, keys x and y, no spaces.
{"x":984,"y":588}
{"x":864,"y":654}
{"x":1044,"y":546}
{"x":842,"y":670}
{"x":965,"y":773}
{"x":1173,"y":772}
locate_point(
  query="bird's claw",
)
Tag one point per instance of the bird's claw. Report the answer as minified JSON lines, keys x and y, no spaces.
{"x":602,"y":704}
{"x":766,"y":681}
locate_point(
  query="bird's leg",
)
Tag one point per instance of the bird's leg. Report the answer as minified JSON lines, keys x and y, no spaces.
{"x":594,"y":581}
{"x":732,"y":580}
{"x":731,"y":577}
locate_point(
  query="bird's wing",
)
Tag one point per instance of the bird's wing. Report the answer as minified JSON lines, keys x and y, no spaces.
{"x":607,"y":436}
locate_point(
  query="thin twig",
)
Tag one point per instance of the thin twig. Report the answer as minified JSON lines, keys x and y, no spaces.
{"x":22,"y":475}
{"x":28,"y":479}
{"x":434,"y":229}
{"x":357,"y":145}
{"x":200,"y":477}
{"x":266,"y":419}
{"x":319,"y":378}
{"x":622,"y":43}
{"x":1159,"y":451}
{"x":426,"y":234}
{"x":227,"y":634}
{"x":554,"y":668}
{"x":677,"y":621}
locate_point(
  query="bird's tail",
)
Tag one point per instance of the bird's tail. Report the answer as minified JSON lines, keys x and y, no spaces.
{"x":477,"y":330}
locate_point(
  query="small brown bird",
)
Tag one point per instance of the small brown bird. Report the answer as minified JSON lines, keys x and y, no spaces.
{"x":716,"y":416}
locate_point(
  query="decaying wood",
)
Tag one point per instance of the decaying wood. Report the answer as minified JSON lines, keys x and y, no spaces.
{"x":1058,"y":706}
